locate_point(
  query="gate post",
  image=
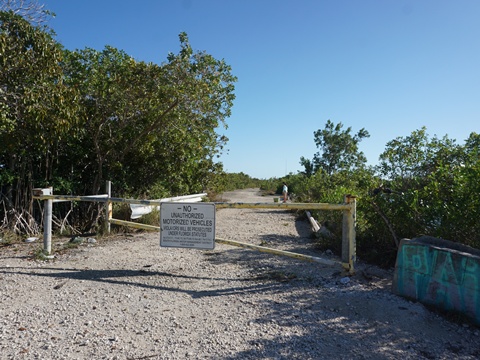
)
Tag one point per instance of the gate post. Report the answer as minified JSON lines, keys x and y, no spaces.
{"x":108,"y":207}
{"x":47,"y":227}
{"x":349,"y":251}
{"x":47,"y":218}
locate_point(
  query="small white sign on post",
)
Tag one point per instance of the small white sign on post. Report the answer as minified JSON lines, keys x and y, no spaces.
{"x":187,"y":225}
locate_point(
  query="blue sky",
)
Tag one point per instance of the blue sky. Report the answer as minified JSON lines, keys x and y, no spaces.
{"x":388,"y":66}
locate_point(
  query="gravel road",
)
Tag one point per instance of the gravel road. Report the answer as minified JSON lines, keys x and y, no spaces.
{"x":125,"y":297}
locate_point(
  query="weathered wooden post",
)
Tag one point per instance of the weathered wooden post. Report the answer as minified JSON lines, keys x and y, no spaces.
{"x":349,"y":251}
{"x":108,"y":207}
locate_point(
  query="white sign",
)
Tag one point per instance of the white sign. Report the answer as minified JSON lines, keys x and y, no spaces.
{"x":187,"y":225}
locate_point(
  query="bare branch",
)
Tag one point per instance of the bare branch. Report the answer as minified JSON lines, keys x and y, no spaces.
{"x":387,"y":222}
{"x":30,"y":10}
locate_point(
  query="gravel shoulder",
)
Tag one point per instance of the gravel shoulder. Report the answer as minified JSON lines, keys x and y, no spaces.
{"x":125,"y":297}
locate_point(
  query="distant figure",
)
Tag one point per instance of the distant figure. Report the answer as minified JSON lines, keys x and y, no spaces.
{"x":285,"y":192}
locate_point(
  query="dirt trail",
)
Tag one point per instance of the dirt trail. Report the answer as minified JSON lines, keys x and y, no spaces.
{"x":125,"y":297}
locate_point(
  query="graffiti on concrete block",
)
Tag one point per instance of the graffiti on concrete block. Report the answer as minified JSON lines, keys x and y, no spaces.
{"x":440,"y":276}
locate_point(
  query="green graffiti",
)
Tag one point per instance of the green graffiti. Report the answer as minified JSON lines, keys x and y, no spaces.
{"x":449,"y":268}
{"x":416,"y":258}
{"x":440,"y":277}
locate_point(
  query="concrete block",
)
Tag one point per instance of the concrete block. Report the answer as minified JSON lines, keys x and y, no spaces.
{"x":441,"y":273}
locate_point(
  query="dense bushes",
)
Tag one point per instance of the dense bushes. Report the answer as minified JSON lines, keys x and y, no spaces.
{"x":74,"y":119}
{"x":421,"y":186}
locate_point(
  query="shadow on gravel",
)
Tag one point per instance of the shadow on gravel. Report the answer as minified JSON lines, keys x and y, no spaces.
{"x":318,"y":318}
{"x":134,"y":276}
{"x":314,"y":316}
{"x":324,"y":328}
{"x":253,"y":258}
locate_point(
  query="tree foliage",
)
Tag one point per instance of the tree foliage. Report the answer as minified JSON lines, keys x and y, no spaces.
{"x":338,"y":150}
{"x":35,"y":109}
{"x":149,"y":125}
{"x":435,"y":177}
{"x":422,"y":185}
{"x":74,"y":119}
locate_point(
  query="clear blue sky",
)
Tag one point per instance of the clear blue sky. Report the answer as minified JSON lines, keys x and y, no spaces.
{"x":388,"y":66}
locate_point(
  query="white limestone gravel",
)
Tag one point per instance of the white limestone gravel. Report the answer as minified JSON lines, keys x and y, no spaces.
{"x":125,"y":297}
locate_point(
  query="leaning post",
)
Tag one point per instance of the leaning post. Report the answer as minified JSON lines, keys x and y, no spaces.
{"x":348,"y":234}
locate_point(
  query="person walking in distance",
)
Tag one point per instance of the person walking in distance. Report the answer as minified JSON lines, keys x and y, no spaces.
{"x":285,"y":192}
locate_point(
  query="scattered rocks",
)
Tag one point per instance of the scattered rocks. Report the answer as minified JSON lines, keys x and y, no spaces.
{"x":130,"y":299}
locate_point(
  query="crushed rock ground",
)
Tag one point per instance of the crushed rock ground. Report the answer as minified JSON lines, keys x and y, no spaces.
{"x":125,"y":297}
